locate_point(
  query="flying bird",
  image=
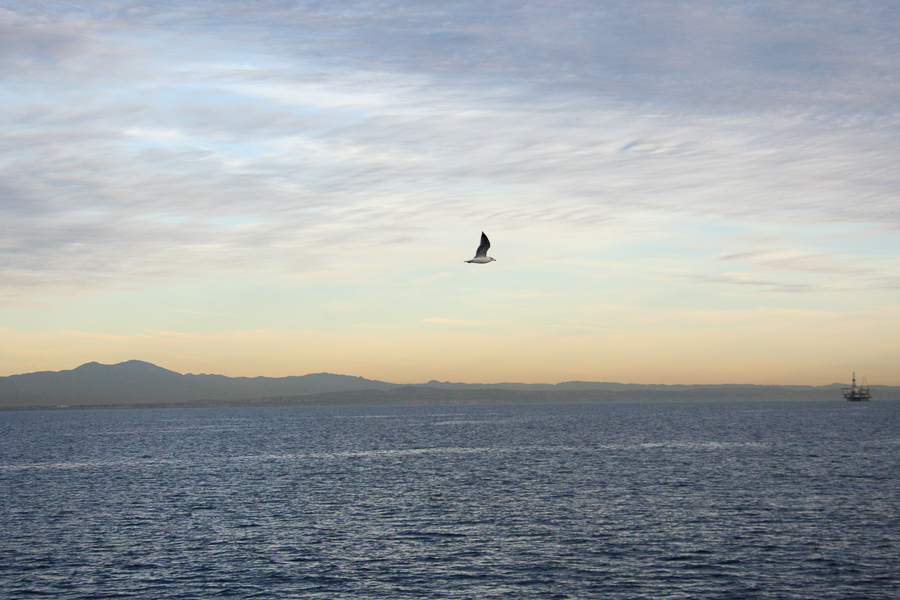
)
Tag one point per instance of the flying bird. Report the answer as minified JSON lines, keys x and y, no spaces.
{"x":481,"y":256}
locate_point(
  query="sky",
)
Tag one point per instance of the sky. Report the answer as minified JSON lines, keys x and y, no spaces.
{"x":675,"y":192}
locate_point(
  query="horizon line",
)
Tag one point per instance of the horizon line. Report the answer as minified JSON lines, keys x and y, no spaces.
{"x":436,"y":381}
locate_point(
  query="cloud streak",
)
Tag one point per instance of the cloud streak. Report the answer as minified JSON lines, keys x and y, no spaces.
{"x":144,"y":143}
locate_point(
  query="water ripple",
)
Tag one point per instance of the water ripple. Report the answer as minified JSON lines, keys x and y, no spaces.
{"x":769,"y":500}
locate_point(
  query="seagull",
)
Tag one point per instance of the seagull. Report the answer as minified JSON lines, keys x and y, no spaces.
{"x":481,"y":256}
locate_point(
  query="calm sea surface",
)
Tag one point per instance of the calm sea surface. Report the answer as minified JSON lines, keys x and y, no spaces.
{"x":702,"y":500}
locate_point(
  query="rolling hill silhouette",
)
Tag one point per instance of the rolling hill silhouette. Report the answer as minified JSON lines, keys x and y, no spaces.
{"x":139,"y":383}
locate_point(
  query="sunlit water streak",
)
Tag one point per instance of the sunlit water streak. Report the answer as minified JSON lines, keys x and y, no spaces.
{"x":705,"y":500}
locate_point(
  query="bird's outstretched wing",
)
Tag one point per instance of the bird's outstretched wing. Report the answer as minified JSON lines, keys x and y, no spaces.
{"x":483,"y":247}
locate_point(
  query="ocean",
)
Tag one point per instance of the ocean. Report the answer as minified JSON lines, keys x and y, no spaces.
{"x":727,"y":500}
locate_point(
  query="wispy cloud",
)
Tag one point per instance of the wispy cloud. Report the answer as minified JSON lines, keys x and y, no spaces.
{"x":445,"y":321}
{"x":145,"y":142}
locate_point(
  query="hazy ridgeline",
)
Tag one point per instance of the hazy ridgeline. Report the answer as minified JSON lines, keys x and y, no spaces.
{"x":137,"y":383}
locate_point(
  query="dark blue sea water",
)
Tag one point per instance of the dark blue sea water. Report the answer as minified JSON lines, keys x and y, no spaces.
{"x":702,"y":500}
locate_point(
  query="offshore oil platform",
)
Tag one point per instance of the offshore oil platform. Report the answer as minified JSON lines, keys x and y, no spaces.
{"x":857,"y":394}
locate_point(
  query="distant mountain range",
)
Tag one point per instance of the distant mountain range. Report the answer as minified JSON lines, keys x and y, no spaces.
{"x":138,"y":383}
